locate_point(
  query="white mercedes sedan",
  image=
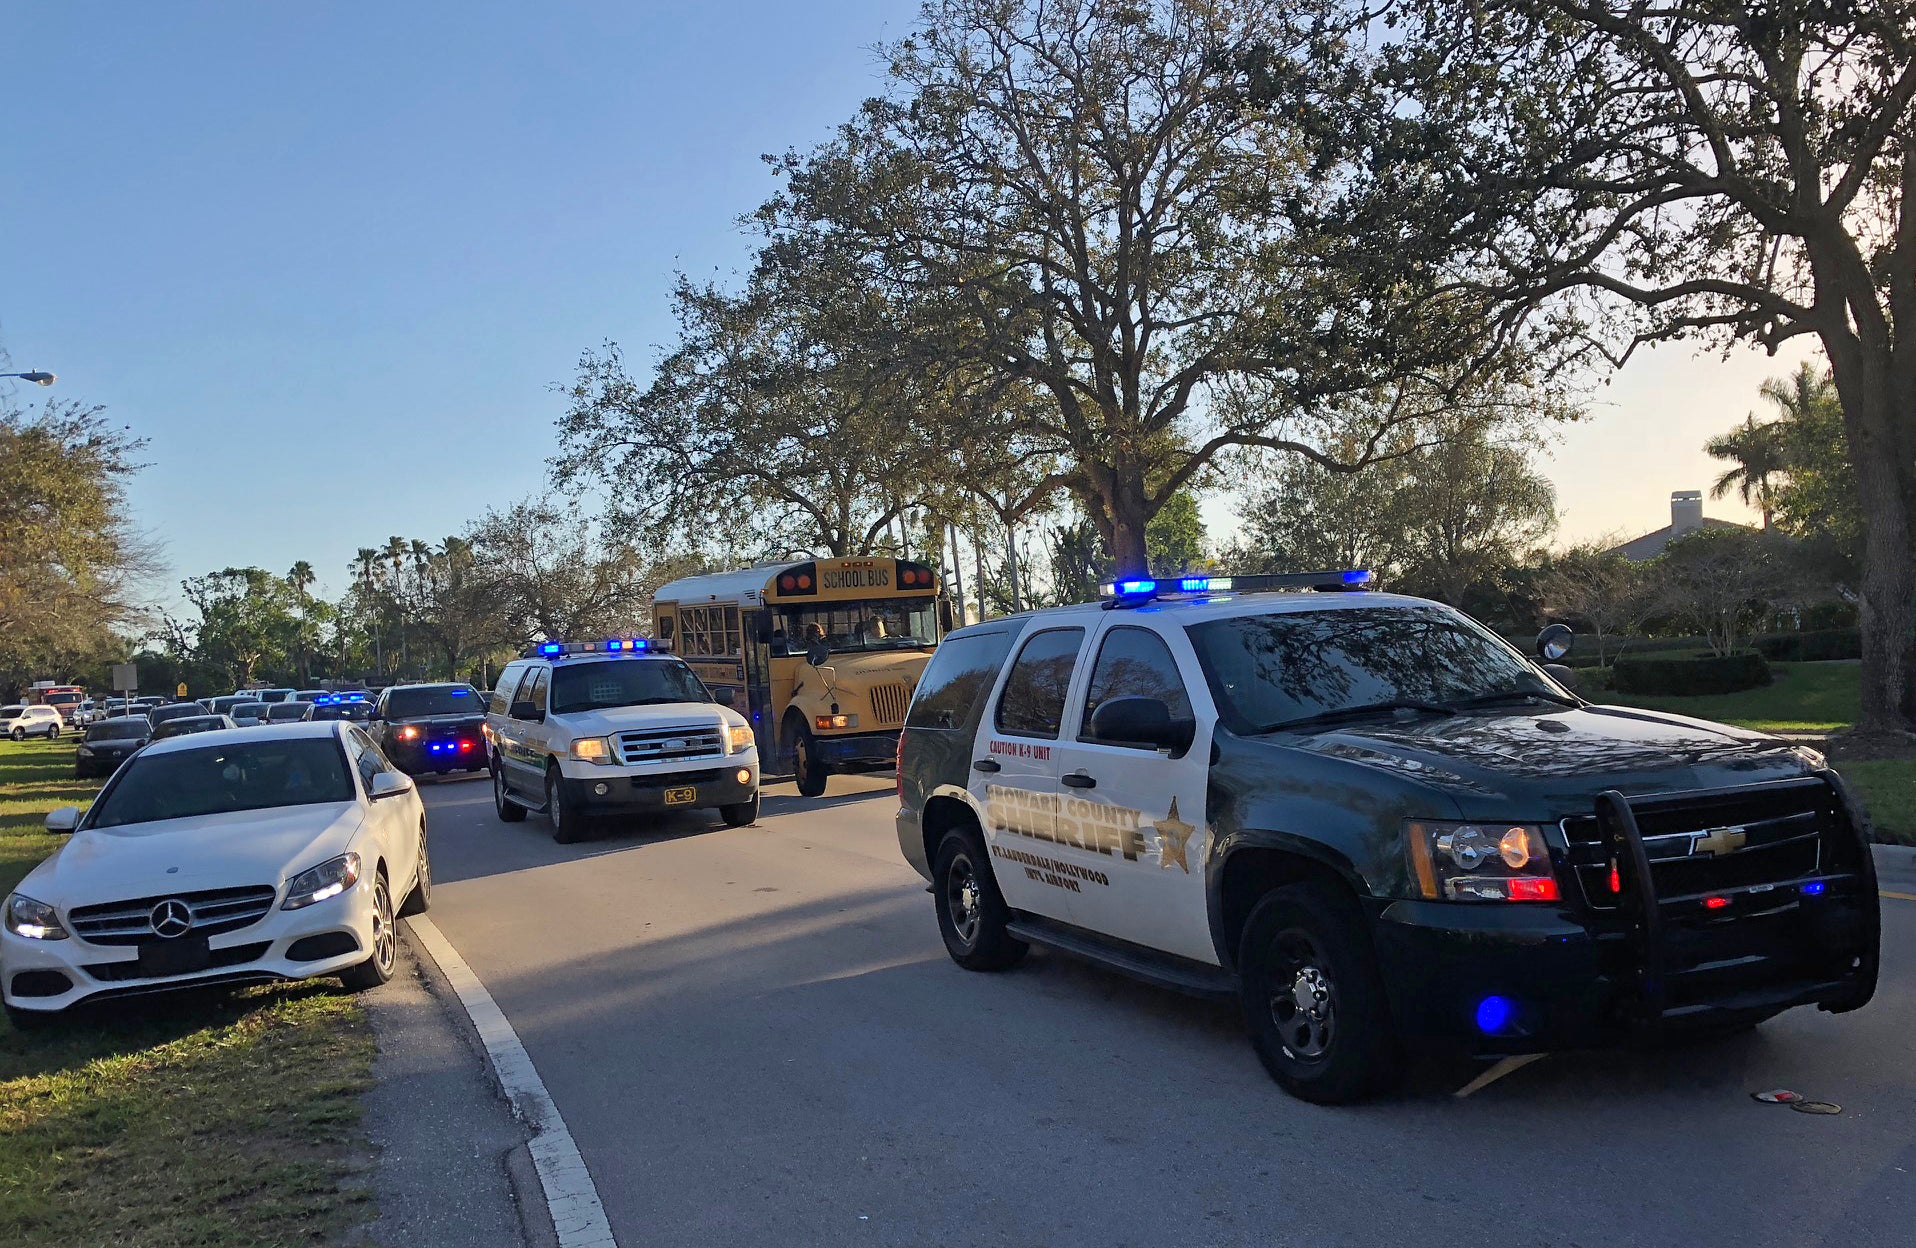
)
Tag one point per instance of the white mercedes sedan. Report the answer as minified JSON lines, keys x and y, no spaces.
{"x":237,"y":856}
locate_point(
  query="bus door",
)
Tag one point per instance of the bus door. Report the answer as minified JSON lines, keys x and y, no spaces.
{"x":758,"y":682}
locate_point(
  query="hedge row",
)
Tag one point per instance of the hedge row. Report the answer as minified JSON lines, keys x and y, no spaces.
{"x":1687,"y":675}
{"x":1812,"y":645}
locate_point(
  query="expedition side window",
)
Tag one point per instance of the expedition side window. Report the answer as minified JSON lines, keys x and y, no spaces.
{"x":1032,"y":704}
{"x":1134,"y":663}
{"x":957,"y":679}
{"x":503,"y":691}
{"x":535,"y":690}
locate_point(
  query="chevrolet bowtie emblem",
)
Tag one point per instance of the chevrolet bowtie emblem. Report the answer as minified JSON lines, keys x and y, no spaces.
{"x":1719,"y":841}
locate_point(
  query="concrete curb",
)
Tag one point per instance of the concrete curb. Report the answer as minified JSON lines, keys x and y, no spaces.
{"x":1896,"y":867}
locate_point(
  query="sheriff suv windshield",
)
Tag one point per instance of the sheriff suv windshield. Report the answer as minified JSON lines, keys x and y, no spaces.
{"x":1293,"y":668}
{"x":623,"y":682}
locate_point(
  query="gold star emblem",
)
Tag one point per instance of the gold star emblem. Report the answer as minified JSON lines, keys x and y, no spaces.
{"x":1173,"y":833}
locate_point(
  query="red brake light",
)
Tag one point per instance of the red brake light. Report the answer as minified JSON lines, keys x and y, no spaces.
{"x":465,"y":746}
{"x":1616,"y":879}
{"x":1525,"y":889}
{"x":1715,"y":903}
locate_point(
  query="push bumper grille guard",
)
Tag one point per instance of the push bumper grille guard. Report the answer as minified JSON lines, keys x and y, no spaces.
{"x":1644,"y":909}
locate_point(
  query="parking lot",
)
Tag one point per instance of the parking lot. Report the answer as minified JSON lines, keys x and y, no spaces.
{"x":755,"y":1036}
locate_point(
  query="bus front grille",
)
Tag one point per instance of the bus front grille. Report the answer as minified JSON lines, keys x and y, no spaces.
{"x":889,"y":703}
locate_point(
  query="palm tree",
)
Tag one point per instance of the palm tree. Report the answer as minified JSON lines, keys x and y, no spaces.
{"x":365,"y":565}
{"x":1756,"y":454}
{"x":395,"y":552}
{"x":300,"y":578}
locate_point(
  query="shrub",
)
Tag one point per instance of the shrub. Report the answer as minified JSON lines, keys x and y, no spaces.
{"x":1811,"y":645}
{"x":1687,"y":675}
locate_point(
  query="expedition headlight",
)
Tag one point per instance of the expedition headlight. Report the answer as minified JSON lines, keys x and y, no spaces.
{"x":1480,"y":861}
{"x":328,"y":879}
{"x":35,"y":920}
{"x":738,"y":739}
{"x":835,"y":721}
{"x":592,"y":750}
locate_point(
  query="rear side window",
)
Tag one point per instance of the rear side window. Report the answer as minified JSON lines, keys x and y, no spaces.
{"x":535,"y":690}
{"x":957,"y":679}
{"x":502,"y":692}
{"x":1032,"y":704}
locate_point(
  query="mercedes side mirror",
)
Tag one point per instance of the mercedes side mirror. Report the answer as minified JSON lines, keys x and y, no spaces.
{"x":1142,"y":722}
{"x":63,"y":819}
{"x":1554,"y":642}
{"x":390,"y":784}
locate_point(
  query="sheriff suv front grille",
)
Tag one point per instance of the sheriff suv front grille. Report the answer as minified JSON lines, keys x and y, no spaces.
{"x":889,"y":703}
{"x":213,"y":911}
{"x":659,"y":745}
{"x":1722,"y":842}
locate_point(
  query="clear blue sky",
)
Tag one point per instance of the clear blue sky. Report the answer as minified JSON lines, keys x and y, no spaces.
{"x":331,"y":258}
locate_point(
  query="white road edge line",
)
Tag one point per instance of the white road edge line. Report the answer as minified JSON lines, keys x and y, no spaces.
{"x":577,"y":1216}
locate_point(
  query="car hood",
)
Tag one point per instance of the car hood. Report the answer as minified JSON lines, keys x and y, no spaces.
{"x":860,"y":672}
{"x":655,"y":716}
{"x":231,"y":850}
{"x":1563,"y":754}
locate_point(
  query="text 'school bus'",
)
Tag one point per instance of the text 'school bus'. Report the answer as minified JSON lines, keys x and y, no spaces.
{"x":823,"y":655}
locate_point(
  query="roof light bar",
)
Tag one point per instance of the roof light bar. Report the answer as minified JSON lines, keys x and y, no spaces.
{"x":1143,"y":589}
{"x":611,"y":645}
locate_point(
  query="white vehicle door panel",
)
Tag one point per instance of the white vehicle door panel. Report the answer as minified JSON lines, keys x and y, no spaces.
{"x":1156,"y":897}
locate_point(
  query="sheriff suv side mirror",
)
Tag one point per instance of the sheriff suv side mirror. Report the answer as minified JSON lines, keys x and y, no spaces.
{"x":1142,"y":722}
{"x":1554,"y":642}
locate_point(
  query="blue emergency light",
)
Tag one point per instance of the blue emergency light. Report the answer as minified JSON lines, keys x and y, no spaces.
{"x":1133,"y":592}
{"x":552,"y":647}
{"x":611,"y":645}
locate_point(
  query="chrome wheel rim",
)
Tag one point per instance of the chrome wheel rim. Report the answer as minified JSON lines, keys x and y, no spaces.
{"x":385,"y":940}
{"x":425,"y":867}
{"x":1303,"y":1003}
{"x":552,"y":803}
{"x":962,"y":900}
{"x":499,"y":789}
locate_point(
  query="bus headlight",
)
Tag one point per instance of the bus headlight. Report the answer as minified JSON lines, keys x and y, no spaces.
{"x":828,"y":722}
{"x":738,"y":739}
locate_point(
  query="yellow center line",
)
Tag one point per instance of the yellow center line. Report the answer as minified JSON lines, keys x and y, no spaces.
{"x":1898,"y":896}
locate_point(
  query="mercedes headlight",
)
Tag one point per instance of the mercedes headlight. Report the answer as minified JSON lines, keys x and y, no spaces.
{"x":1480,"y":861}
{"x":328,"y":879}
{"x":739,"y":739}
{"x":35,"y":920}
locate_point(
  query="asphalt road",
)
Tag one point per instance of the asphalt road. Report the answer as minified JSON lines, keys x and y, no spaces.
{"x":755,"y":1037}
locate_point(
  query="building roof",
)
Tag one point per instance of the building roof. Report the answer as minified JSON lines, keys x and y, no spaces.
{"x":1650,"y":545}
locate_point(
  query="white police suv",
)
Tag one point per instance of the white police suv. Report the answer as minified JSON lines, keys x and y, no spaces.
{"x":582,"y":730}
{"x":1374,"y":823}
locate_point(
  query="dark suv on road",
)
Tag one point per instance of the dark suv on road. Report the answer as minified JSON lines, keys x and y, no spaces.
{"x":1376,"y":825}
{"x":431,"y":727}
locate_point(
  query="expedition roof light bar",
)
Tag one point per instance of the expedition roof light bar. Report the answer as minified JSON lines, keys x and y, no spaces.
{"x":611,"y":645}
{"x":1139,"y":590}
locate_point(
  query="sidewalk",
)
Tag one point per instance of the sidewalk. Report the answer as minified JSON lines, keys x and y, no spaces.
{"x":1896,"y":868}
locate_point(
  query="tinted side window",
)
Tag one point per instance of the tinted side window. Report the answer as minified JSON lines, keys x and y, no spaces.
{"x":958,"y":678}
{"x":502,"y":691}
{"x":535,"y":690}
{"x":1032,"y":704}
{"x":365,"y":758}
{"x":1134,"y":663}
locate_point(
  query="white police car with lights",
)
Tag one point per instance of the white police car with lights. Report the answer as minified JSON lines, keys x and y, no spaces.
{"x":244,"y":855}
{"x":615,"y":727}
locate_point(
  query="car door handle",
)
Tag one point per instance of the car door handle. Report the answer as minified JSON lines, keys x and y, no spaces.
{"x":986,"y":764}
{"x":1078,"y":780}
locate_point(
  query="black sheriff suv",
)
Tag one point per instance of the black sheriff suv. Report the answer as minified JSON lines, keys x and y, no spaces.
{"x":1374,"y":823}
{"x":431,"y":727}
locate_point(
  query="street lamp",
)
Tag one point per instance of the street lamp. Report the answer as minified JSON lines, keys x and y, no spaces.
{"x":38,"y":379}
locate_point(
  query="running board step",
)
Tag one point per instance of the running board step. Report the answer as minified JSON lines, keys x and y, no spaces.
{"x":1163,"y":969}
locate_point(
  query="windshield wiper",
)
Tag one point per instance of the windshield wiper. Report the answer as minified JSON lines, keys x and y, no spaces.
{"x":1528,"y":695}
{"x":1359,"y":712}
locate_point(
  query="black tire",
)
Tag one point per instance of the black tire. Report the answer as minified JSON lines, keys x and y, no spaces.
{"x":53,"y":733}
{"x":562,"y":816}
{"x":419,"y":900}
{"x":971,"y":911}
{"x":807,"y":770}
{"x":1313,"y":996}
{"x":33,"y":1020}
{"x":509,"y":810}
{"x":19,"y":734}
{"x":740,"y":814}
{"x":384,"y":956}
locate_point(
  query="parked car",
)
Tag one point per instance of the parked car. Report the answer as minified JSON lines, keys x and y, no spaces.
{"x":248,"y":714}
{"x":175,"y":710}
{"x":224,"y":704}
{"x":309,"y":695}
{"x":109,"y":743}
{"x":269,"y":696}
{"x":351,"y":707}
{"x":289,"y":712}
{"x":191,"y":723}
{"x":296,"y":847}
{"x":20,"y":722}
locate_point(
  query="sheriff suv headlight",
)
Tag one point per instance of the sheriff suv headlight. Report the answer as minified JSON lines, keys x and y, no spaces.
{"x":35,"y":920}
{"x":738,"y":739}
{"x":593,"y":750}
{"x":328,"y":879}
{"x":1480,"y":861}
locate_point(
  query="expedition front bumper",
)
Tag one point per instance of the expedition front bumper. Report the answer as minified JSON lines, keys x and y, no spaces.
{"x":628,"y":793}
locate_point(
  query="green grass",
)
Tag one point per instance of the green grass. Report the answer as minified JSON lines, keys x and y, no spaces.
{"x":196,"y":1120}
{"x":1888,"y":790}
{"x":1805,"y":697}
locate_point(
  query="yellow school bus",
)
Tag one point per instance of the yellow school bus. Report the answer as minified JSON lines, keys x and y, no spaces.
{"x":821,"y":655}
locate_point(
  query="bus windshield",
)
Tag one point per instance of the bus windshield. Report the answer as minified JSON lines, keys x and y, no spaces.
{"x":884,"y":624}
